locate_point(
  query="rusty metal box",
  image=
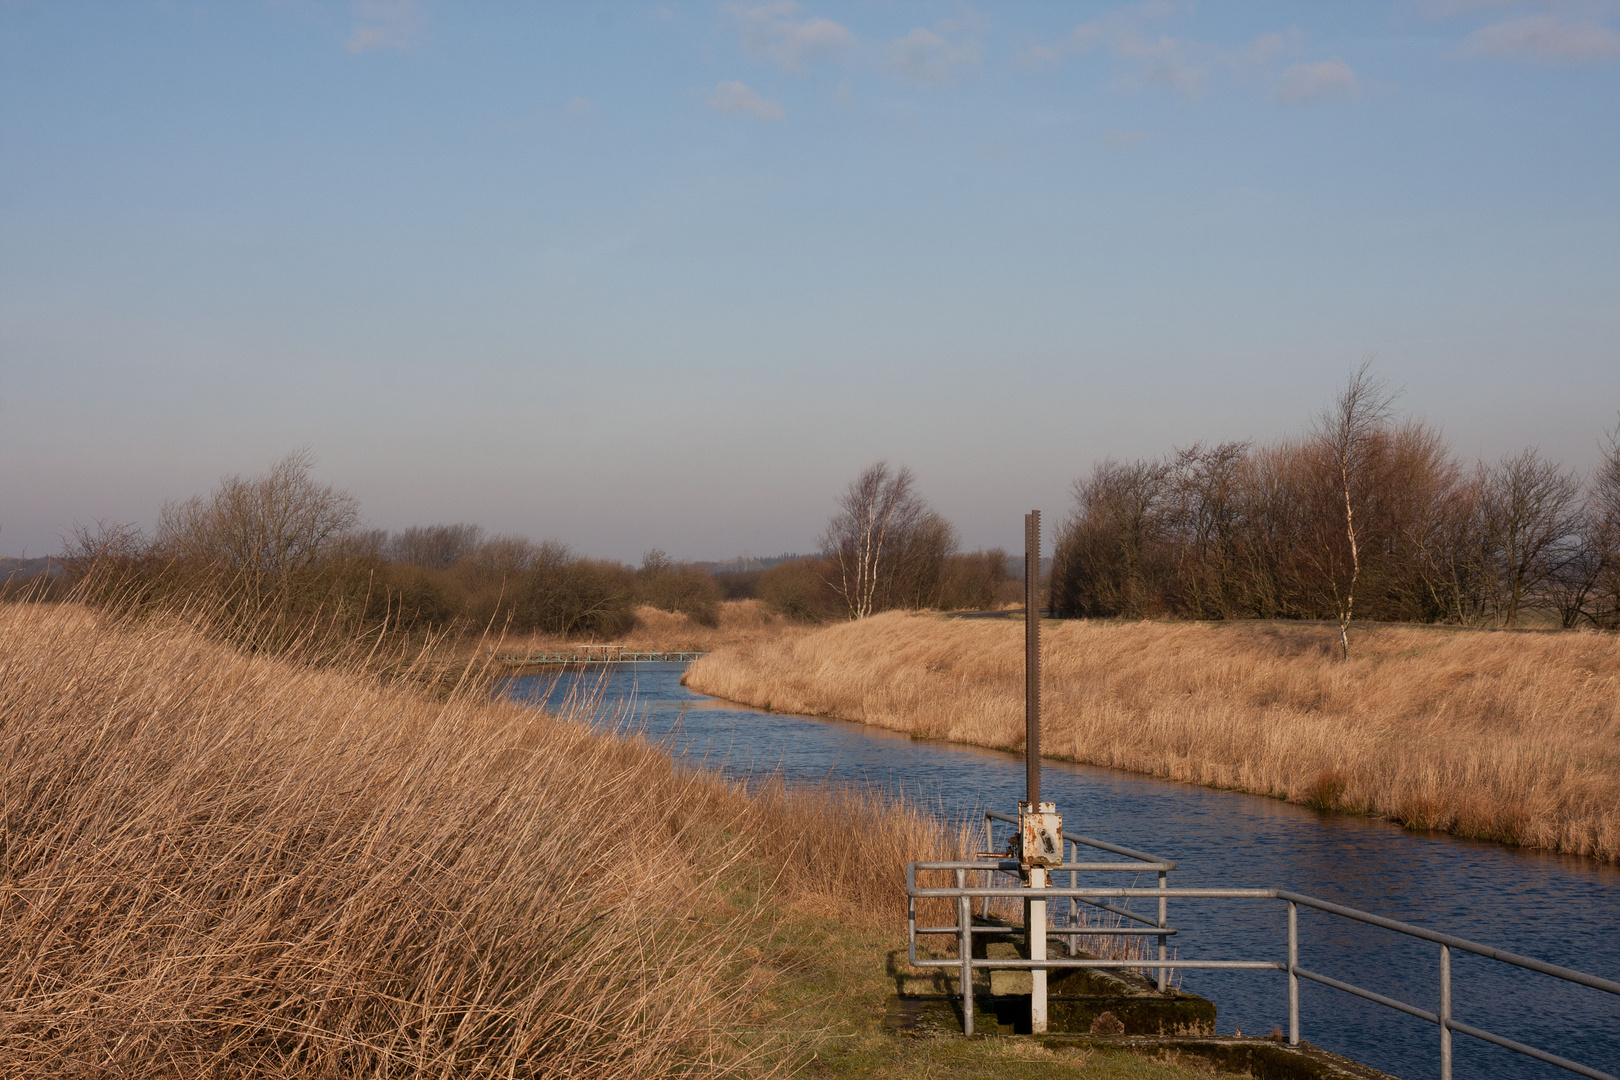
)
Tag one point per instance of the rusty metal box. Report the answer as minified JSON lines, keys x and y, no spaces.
{"x":1040,"y":834}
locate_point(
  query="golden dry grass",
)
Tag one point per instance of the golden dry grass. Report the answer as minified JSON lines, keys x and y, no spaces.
{"x":1505,"y":736}
{"x":233,"y":865}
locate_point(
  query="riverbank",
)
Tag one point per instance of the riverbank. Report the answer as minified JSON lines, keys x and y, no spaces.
{"x":1507,"y":737}
{"x":225,"y":863}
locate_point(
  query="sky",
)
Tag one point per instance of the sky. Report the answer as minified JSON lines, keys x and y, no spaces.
{"x":663,"y":274}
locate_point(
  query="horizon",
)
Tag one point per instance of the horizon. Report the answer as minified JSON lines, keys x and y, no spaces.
{"x":668,"y":275}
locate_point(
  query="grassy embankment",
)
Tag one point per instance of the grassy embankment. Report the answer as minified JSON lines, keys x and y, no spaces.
{"x":1502,"y":736}
{"x":231,"y":865}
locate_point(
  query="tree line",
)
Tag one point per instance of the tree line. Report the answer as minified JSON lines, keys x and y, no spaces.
{"x":277,"y":553}
{"x":1365,"y":516}
{"x":884,"y":548}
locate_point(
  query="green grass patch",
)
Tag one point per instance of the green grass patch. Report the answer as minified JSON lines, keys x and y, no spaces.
{"x":834,"y":978}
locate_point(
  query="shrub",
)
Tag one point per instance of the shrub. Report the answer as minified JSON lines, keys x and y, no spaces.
{"x":739,"y":584}
{"x":563,"y":594}
{"x":679,"y":587}
{"x":799,"y":590}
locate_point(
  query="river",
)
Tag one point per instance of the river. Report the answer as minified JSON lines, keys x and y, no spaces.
{"x":1560,"y":909}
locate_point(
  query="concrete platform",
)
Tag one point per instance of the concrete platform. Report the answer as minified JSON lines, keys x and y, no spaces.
{"x":1111,"y":1007}
{"x":937,"y":1016}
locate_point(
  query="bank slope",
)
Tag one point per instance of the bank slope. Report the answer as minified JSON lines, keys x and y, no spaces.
{"x":1504,"y":736}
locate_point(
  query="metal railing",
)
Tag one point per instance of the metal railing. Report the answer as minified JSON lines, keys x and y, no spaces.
{"x":965,"y":962}
{"x":1141,"y":861}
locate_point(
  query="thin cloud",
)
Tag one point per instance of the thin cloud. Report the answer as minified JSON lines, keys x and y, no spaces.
{"x":385,"y":24}
{"x":1121,"y":139}
{"x":1546,"y":39}
{"x":771,"y":31}
{"x":1168,"y":61}
{"x":1144,"y":55}
{"x":1302,"y":82}
{"x":1260,"y":52}
{"x":580,"y":106}
{"x":1450,"y":9}
{"x":928,"y":58}
{"x":739,"y":100}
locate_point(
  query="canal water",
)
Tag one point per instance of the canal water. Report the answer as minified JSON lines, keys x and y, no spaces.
{"x":1559,"y":909}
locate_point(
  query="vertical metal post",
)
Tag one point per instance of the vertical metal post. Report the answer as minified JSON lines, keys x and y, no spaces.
{"x":1037,"y":951}
{"x":964,"y":917}
{"x":1032,"y":658}
{"x":989,"y":875}
{"x":1034,"y":910}
{"x":1293,"y":973}
{"x":1445,"y":1012}
{"x":1164,"y":920}
{"x":1074,"y":903}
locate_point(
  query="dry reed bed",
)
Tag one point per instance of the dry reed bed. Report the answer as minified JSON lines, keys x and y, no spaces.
{"x":1504,"y":736}
{"x":222,"y":864}
{"x":740,"y":623}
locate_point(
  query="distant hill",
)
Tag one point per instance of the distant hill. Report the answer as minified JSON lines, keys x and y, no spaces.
{"x":15,"y":569}
{"x":744,"y":564}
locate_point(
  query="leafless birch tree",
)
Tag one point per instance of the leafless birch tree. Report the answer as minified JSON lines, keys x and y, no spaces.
{"x":877,"y":517}
{"x":1346,"y":433}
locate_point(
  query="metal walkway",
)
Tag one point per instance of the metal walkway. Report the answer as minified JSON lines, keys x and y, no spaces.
{"x":596,"y":654}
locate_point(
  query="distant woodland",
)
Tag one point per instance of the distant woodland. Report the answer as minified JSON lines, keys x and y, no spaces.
{"x":1365,"y":516}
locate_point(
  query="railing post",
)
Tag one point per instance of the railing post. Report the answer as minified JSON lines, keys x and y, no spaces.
{"x":1293,"y":973}
{"x":1445,"y":1012}
{"x":989,"y":875}
{"x":1036,"y":932}
{"x":1164,"y":920}
{"x":911,"y":924}
{"x":964,"y":914}
{"x":1074,"y":904}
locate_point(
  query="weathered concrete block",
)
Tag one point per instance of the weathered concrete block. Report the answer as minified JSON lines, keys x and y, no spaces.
{"x":1005,"y":982}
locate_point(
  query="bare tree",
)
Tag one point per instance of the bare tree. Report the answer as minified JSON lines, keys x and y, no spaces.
{"x":1111,"y":556}
{"x":1204,"y":511}
{"x":263,"y":530}
{"x":436,"y":547}
{"x":1603,"y":516}
{"x":1530,"y":510}
{"x":877,"y":516}
{"x":504,"y":557}
{"x":1452,"y":553}
{"x":1347,"y":433}
{"x":106,"y":541}
{"x":917,"y":578}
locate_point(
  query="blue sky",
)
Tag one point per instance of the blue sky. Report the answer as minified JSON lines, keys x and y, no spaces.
{"x":669,"y":274}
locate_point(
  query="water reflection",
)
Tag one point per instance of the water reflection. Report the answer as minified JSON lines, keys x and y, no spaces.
{"x":1564,"y":910}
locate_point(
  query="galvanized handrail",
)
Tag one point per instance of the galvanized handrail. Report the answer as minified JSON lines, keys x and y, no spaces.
{"x":964,"y":931}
